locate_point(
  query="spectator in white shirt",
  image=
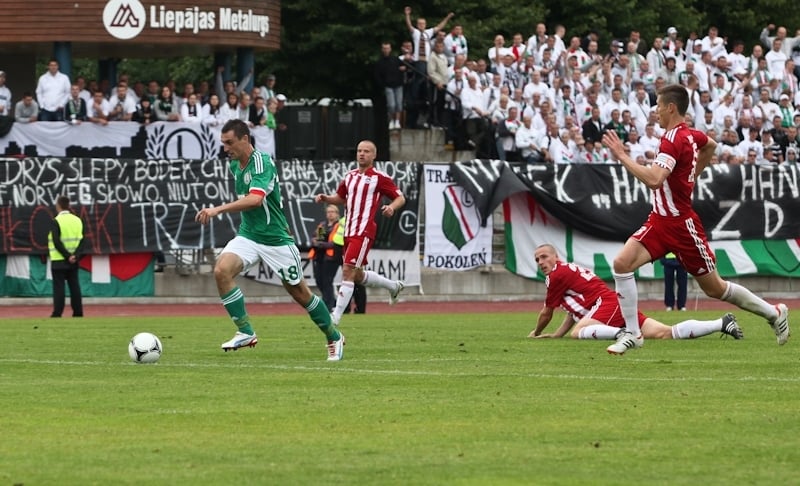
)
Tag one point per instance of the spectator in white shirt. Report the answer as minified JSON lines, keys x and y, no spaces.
{"x":191,"y":111}
{"x":637,"y":150}
{"x":230,"y":109}
{"x":52,"y":92}
{"x":713,"y":42}
{"x":85,"y":94}
{"x":737,"y":59}
{"x":776,"y":60}
{"x":768,"y":108}
{"x":212,"y":111}
{"x":537,"y":40}
{"x":454,"y":44}
{"x":535,"y":86}
{"x":616,"y":103}
{"x":122,"y":104}
{"x":650,"y":141}
{"x":750,"y":143}
{"x":131,"y":93}
{"x":5,"y":96}
{"x":97,"y":111}
{"x":474,"y":112}
{"x":496,"y":53}
{"x":562,"y":149}
{"x":527,"y":142}
{"x":540,"y":119}
{"x":787,"y":43}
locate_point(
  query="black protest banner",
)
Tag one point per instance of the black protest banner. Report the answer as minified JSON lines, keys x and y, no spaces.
{"x":149,"y":205}
{"x":489,"y":182}
{"x":126,"y":205}
{"x":605,"y":201}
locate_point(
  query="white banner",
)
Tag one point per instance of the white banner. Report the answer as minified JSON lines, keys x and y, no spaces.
{"x":156,"y":141}
{"x":392,"y":264}
{"x":454,"y":238}
{"x":53,"y":138}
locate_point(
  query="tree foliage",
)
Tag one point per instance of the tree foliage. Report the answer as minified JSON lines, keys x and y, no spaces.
{"x":328,"y":47}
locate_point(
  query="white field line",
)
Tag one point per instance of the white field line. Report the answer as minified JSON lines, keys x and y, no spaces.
{"x":340,"y":368}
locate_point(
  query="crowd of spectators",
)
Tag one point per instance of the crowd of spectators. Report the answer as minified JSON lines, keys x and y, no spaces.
{"x":58,"y":99}
{"x":549,"y":98}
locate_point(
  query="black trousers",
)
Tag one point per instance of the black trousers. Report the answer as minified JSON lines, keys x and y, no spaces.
{"x":45,"y":115}
{"x":674,"y":275}
{"x":324,"y":273}
{"x":70,"y":276}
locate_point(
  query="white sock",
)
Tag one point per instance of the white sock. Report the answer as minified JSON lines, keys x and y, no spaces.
{"x":628,"y":301}
{"x":742,"y":298}
{"x":372,"y":279}
{"x":342,"y":300}
{"x":693,"y":328}
{"x":598,"y":331}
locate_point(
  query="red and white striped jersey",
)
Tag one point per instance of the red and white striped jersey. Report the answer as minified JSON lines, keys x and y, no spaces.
{"x":678,"y":154}
{"x":362,"y":193}
{"x":576,"y":289}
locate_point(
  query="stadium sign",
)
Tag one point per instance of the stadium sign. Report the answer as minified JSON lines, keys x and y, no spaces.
{"x":126,"y":19}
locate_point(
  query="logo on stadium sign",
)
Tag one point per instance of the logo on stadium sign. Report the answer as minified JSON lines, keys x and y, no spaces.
{"x":124,"y":19}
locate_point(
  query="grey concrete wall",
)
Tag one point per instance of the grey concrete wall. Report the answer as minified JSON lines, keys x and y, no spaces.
{"x":492,"y":283}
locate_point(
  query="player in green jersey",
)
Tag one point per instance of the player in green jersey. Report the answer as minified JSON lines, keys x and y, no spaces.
{"x":263,"y":236}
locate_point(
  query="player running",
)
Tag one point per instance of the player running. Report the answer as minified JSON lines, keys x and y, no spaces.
{"x":673,"y":226}
{"x":263,"y":236}
{"x":362,"y":189}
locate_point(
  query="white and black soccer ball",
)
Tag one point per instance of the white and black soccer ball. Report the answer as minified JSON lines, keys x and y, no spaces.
{"x":145,"y":348}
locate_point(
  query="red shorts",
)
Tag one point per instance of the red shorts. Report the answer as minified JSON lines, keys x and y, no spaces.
{"x":684,"y":236}
{"x":610,"y":314}
{"x":356,"y":249}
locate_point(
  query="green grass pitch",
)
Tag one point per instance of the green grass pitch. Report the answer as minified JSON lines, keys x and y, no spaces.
{"x":418,"y":400}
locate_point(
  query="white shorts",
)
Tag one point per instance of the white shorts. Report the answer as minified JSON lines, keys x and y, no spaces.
{"x":283,"y":260}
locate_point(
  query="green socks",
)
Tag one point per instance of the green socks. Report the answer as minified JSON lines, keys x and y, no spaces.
{"x":322,"y":318}
{"x":234,"y":304}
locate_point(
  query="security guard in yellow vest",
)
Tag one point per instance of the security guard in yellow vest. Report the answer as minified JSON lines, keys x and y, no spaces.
{"x":64,"y":243}
{"x":326,"y":253}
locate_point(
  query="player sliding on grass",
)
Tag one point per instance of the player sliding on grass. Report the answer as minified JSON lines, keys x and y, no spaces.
{"x":263,"y":236}
{"x":595,"y":307}
{"x":362,"y":190}
{"x":673,"y":225}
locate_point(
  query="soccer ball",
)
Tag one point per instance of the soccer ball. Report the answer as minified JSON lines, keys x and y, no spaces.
{"x":145,"y":348}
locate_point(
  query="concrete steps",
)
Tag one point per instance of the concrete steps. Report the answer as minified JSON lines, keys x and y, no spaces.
{"x":424,"y":145}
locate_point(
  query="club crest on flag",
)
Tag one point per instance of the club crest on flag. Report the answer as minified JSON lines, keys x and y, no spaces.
{"x":460,"y":218}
